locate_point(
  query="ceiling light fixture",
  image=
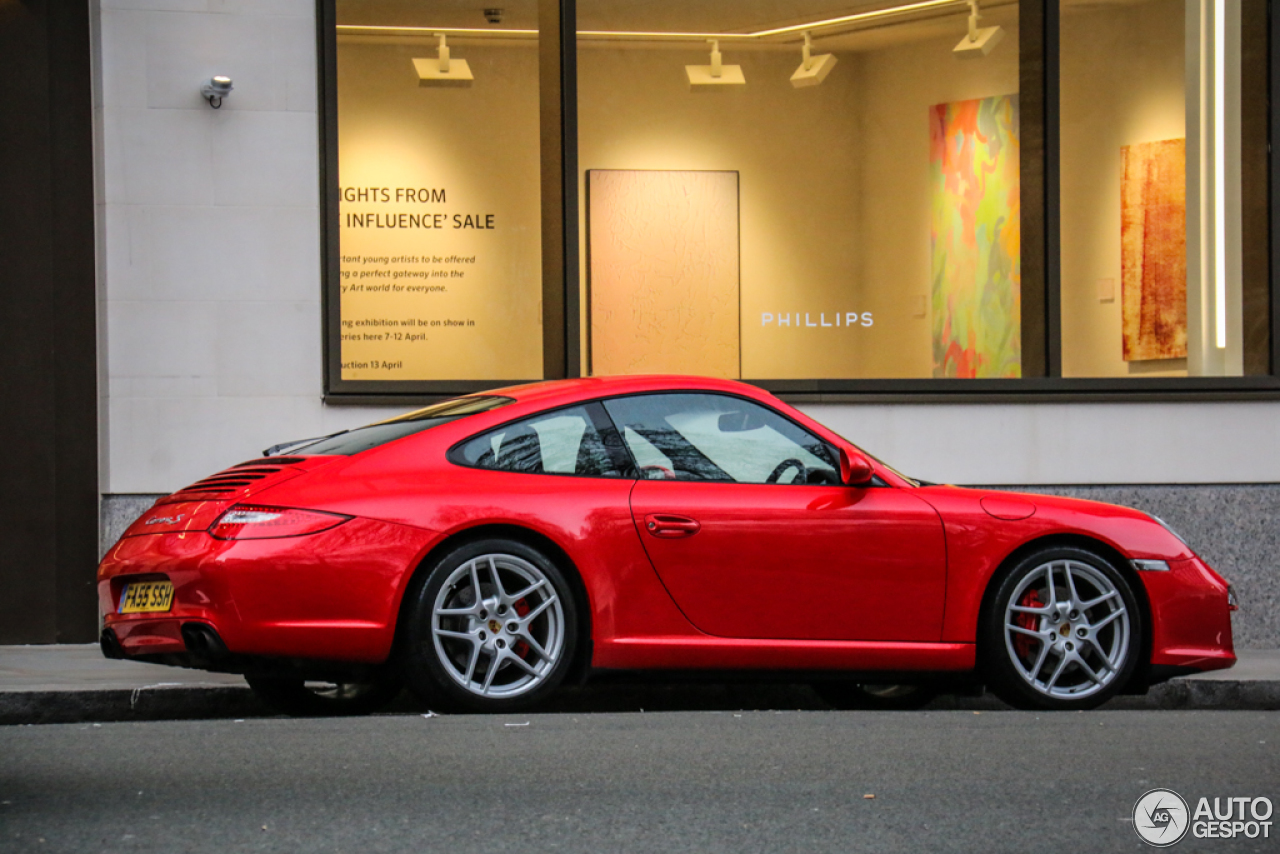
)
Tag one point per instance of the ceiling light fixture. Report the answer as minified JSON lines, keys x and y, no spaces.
{"x":813,"y":69}
{"x":776,"y":33}
{"x":717,"y":74}
{"x":979,"y":42}
{"x":443,"y":71}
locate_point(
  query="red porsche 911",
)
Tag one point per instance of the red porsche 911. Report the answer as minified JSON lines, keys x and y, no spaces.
{"x":486,"y":549}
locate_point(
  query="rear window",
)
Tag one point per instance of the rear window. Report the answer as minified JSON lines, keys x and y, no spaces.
{"x":363,"y":438}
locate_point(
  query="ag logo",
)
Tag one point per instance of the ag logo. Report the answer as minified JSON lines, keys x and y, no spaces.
{"x":1160,"y":817}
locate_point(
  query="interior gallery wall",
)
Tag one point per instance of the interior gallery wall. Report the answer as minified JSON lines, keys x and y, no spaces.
{"x":440,"y":218}
{"x":835,"y":186}
{"x":1123,"y":83}
{"x":796,"y":152}
{"x":900,"y":86}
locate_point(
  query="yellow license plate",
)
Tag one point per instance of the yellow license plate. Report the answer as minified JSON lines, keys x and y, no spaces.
{"x":146,"y":596}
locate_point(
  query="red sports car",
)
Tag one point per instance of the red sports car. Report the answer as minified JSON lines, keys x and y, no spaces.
{"x":486,"y":549}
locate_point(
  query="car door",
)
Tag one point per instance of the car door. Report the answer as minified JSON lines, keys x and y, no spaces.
{"x":742,"y":514}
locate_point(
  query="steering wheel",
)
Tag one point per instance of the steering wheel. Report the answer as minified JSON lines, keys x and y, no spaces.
{"x":802,"y":473}
{"x":657,"y":473}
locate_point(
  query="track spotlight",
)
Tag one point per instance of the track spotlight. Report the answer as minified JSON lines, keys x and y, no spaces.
{"x":979,"y":42}
{"x":443,"y":71}
{"x":813,"y":69}
{"x":716,"y":74}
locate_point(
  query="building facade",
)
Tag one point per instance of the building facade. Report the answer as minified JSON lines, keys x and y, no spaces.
{"x":1038,"y":258}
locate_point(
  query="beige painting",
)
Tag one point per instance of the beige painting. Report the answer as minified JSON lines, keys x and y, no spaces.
{"x":663,"y":272}
{"x":1153,"y":239}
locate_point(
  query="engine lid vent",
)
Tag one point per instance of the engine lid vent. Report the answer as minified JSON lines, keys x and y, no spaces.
{"x":240,"y":480}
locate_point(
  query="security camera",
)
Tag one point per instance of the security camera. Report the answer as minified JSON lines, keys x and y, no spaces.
{"x":493,"y":16}
{"x":216,"y":89}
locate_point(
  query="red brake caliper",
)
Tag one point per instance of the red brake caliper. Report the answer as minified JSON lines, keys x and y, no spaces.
{"x":1022,"y":643}
{"x":521,"y":648}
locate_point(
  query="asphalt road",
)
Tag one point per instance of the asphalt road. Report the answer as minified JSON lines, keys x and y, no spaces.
{"x":657,"y":782}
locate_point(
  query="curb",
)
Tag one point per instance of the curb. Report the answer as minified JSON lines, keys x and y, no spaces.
{"x":139,"y":704}
{"x":1224,"y":694}
{"x":214,"y":702}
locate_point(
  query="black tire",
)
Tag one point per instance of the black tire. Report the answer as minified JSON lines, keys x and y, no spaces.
{"x":504,"y":649}
{"x":301,"y":698}
{"x":875,"y":697}
{"x":1070,"y":647}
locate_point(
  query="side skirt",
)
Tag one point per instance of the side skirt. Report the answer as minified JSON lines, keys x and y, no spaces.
{"x":719,"y":654}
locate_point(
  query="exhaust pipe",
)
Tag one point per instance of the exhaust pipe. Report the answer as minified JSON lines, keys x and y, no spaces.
{"x":203,"y":640}
{"x":110,"y":644}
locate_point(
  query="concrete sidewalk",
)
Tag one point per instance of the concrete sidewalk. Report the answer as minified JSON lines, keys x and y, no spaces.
{"x":74,"y":682}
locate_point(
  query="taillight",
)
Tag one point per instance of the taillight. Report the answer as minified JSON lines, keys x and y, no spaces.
{"x":257,"y":522}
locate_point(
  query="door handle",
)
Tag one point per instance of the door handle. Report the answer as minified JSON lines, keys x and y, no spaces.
{"x":669,"y":525}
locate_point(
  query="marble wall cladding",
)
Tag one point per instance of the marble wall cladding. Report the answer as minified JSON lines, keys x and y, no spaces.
{"x":1234,"y":527}
{"x":117,"y":513}
{"x":1189,"y":442}
{"x":209,"y":227}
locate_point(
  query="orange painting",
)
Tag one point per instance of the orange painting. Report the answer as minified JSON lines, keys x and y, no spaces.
{"x":663,"y":272}
{"x":1153,"y":250}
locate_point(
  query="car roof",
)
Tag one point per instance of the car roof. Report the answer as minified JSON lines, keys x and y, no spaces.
{"x":554,"y":392}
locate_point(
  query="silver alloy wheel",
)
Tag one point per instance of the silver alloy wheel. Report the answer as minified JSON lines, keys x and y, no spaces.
{"x":1067,"y":630}
{"x":498,"y":626}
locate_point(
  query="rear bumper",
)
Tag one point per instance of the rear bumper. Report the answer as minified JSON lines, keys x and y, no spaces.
{"x":330,"y":596}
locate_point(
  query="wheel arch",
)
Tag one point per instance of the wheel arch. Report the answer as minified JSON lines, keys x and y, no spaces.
{"x":1138,"y":682}
{"x":581,"y":664}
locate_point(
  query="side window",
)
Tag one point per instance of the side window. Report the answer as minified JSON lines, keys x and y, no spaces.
{"x":561,"y":442}
{"x":719,"y":438}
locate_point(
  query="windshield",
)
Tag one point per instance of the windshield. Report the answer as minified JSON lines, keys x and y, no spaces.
{"x":360,"y":439}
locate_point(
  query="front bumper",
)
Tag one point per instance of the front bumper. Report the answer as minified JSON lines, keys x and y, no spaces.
{"x":1191,"y":618}
{"x":330,"y":596}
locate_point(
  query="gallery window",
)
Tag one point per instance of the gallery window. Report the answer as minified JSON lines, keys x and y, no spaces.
{"x":438,"y":225}
{"x":941,"y":197}
{"x":1164,"y":175}
{"x":852,"y":215}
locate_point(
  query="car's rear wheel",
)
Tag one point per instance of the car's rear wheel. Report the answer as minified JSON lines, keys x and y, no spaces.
{"x":307,"y":698}
{"x":1063,"y":631}
{"x":491,"y":628}
{"x":882,"y":697}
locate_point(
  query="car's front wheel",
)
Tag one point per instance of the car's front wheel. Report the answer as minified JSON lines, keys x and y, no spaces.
{"x":491,"y":628}
{"x":1063,"y":631}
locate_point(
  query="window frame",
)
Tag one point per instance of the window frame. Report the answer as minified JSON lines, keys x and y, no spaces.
{"x":1042,"y":380}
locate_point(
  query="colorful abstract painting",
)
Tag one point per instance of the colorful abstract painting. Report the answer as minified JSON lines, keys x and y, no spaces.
{"x":976,"y":238}
{"x":1153,"y":249}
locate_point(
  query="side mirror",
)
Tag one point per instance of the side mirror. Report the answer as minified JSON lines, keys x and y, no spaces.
{"x":855,"y":469}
